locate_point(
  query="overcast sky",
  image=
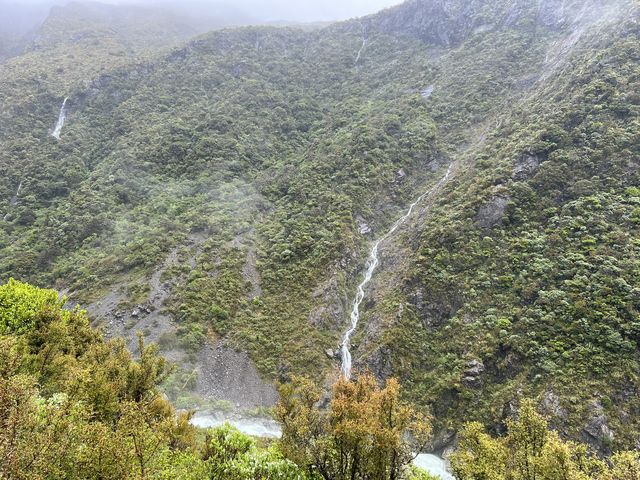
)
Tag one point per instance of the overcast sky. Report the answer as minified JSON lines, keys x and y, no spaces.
{"x":266,"y":10}
{"x":308,"y":10}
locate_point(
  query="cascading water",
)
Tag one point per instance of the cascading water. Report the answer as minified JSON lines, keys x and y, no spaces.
{"x":61,"y":116}
{"x":13,"y":202}
{"x":372,"y":263}
{"x":362,"y":47}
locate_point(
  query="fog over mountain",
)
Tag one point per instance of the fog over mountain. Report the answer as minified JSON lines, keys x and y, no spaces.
{"x":19,"y":19}
{"x":256,"y":10}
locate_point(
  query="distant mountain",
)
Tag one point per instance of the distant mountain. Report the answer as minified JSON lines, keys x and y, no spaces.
{"x":18,"y":22}
{"x":221,"y":194}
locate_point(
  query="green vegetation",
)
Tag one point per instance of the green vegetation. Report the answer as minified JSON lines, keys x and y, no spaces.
{"x":368,"y":432}
{"x":251,"y":158}
{"x":530,"y":451}
{"x":547,"y":291}
{"x":73,"y":406}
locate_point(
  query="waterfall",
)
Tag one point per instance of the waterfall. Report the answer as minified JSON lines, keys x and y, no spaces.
{"x":58,"y":129}
{"x":364,"y":44}
{"x":371,"y":265}
{"x":13,"y":202}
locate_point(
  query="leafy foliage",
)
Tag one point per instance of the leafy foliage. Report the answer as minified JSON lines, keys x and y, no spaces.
{"x":21,"y":303}
{"x":272,"y":146}
{"x":364,"y":434}
{"x":75,"y":406}
{"x":531,"y":451}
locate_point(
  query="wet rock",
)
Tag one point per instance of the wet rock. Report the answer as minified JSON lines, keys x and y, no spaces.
{"x":598,"y":428}
{"x":471,"y":375}
{"x":380,"y":363}
{"x":558,"y":415}
{"x":426,"y":93}
{"x":363,"y":227}
{"x":474,"y":368}
{"x":471,"y":382}
{"x":525,"y":166}
{"x":596,"y":432}
{"x":442,"y":440}
{"x":492,"y":212}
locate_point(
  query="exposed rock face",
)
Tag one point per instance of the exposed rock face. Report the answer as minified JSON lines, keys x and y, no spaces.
{"x":443,"y":442}
{"x":225,"y":374}
{"x":330,"y":312}
{"x":551,"y":405}
{"x":447,"y":23}
{"x":440,"y":22}
{"x":363,"y":227}
{"x":596,"y":432}
{"x":525,"y":166}
{"x":149,"y":317}
{"x":490,"y":214}
{"x":433,"y":312}
{"x":471,"y":376}
{"x":380,"y":363}
{"x":558,"y":416}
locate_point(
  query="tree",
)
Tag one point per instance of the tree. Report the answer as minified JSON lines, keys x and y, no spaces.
{"x":367,"y":432}
{"x":530,"y":451}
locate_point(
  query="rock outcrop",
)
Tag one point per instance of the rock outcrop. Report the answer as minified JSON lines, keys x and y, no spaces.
{"x":491,"y":213}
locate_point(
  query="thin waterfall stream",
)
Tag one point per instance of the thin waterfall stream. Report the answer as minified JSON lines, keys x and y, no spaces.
{"x":372,"y":264}
{"x":13,"y":202}
{"x":267,"y":427}
{"x":61,"y":117}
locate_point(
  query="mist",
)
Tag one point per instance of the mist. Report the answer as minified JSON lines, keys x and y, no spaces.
{"x":259,"y":11}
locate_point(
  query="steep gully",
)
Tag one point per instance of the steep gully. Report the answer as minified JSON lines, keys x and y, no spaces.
{"x":56,"y":134}
{"x":264,"y":427}
{"x":429,"y":462}
{"x":362,"y":47}
{"x":372,"y":264}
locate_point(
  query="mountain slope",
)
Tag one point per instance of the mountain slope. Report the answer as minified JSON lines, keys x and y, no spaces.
{"x":224,"y":194}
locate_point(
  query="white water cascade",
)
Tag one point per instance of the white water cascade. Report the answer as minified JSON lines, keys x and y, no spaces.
{"x":362,"y":47}
{"x":61,"y":116}
{"x":372,"y":263}
{"x":13,"y":202}
{"x":364,"y":44}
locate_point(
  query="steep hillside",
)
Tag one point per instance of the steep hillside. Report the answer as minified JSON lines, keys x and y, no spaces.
{"x":220,"y":197}
{"x":524,"y":279}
